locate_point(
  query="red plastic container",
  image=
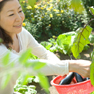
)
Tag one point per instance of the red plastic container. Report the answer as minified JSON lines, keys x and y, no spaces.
{"x":84,"y":87}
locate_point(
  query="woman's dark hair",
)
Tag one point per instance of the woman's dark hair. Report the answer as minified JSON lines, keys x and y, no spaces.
{"x":6,"y":39}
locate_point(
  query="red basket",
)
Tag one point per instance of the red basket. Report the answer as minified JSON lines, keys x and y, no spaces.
{"x":84,"y":87}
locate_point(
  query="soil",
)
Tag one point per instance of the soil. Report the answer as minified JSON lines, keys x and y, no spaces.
{"x":84,"y":55}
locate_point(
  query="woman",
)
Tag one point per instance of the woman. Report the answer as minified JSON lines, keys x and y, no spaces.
{"x":19,"y":39}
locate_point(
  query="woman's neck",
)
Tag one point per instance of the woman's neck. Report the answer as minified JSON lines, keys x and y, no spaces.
{"x":15,"y":45}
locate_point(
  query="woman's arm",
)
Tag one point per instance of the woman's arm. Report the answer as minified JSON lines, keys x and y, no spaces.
{"x":51,"y":68}
{"x":37,"y":49}
{"x":80,"y":66}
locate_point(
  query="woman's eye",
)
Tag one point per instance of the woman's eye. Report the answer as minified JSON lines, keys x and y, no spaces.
{"x":20,"y":11}
{"x":11,"y":14}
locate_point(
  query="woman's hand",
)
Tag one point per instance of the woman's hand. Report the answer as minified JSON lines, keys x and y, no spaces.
{"x":82,"y":67}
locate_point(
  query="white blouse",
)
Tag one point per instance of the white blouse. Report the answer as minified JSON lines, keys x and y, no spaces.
{"x":53,"y":65}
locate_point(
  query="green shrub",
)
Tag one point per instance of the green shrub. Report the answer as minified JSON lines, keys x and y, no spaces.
{"x":87,"y":4}
{"x":52,"y":18}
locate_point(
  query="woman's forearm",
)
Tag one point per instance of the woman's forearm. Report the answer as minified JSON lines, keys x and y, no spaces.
{"x":80,"y":66}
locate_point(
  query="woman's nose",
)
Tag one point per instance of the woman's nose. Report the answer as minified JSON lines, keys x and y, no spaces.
{"x":18,"y":17}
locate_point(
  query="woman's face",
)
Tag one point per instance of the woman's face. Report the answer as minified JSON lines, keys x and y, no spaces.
{"x":11,"y":17}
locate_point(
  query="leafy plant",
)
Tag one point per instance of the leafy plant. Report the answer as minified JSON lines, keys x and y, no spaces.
{"x":52,"y":18}
{"x":25,"y":64}
{"x":80,"y":41}
{"x":63,"y":43}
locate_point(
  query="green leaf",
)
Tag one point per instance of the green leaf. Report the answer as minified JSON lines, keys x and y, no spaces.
{"x":38,"y":65}
{"x":92,"y":92}
{"x":36,"y":79}
{"x":25,"y":79}
{"x":6,"y":59}
{"x":54,"y":48}
{"x":91,"y":38}
{"x":64,"y":42}
{"x":77,"y":5}
{"x":47,"y":45}
{"x":33,"y":56}
{"x":25,"y":56}
{"x":1,"y":40}
{"x":31,"y":2}
{"x":5,"y":80}
{"x":92,"y":10}
{"x":81,"y":39}
{"x":44,"y":82}
{"x":21,"y":3}
{"x":92,"y":73}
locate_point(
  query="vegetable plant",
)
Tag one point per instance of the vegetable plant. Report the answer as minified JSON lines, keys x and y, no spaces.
{"x":81,"y":39}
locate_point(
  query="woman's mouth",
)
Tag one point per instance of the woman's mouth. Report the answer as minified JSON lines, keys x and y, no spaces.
{"x":18,"y":26}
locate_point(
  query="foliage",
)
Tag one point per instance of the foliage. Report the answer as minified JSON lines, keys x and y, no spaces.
{"x":92,"y":68}
{"x":77,"y":5}
{"x":52,"y":18}
{"x":45,"y":17}
{"x":88,"y":4}
{"x":82,"y":38}
{"x":23,"y":88}
{"x":92,"y":92}
{"x":64,"y":42}
{"x":24,"y":64}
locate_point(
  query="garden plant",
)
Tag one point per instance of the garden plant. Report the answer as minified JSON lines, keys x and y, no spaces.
{"x":48,"y":20}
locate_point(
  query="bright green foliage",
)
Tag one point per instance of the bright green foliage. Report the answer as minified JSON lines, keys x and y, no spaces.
{"x":31,"y":2}
{"x":50,"y":18}
{"x":21,"y":3}
{"x":92,"y":73}
{"x":61,"y":44}
{"x":91,"y":38}
{"x":77,"y":6}
{"x":92,"y":92}
{"x":38,"y":65}
{"x":64,"y":42}
{"x":92,"y":10}
{"x":33,"y":56}
{"x":6,"y":78}
{"x":92,"y":68}
{"x":43,"y":82}
{"x":23,"y":88}
{"x":81,"y":39}
{"x":47,"y":45}
{"x":25,"y":56}
{"x":25,"y":80}
{"x":24,"y":63}
{"x":6,"y":59}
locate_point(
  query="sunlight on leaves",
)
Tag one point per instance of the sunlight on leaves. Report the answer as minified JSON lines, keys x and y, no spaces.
{"x":26,"y":79}
{"x":64,"y":42}
{"x":92,"y":68}
{"x":38,"y":65}
{"x":44,"y":82}
{"x":92,"y":73}
{"x":92,"y":10}
{"x":25,"y":56}
{"x":92,"y":92}
{"x":80,"y":40}
{"x":77,"y":5}
{"x":31,"y":2}
{"x":5,"y":80}
{"x":47,"y":45}
{"x":6,"y":59}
